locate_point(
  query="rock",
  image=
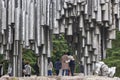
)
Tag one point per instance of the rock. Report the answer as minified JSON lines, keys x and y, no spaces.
{"x":111,"y":71}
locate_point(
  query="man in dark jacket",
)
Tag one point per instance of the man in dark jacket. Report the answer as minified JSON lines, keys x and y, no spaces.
{"x":72,"y":65}
{"x":81,"y":67}
{"x":1,"y":68}
{"x":57,"y":66}
{"x":23,"y":67}
{"x":36,"y":68}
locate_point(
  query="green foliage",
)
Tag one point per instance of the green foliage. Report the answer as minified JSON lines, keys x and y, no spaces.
{"x":113,"y":55}
{"x":5,"y":66}
{"x":1,"y":58}
{"x":60,"y":46}
{"x":77,"y":68}
{"x":29,"y":55}
{"x":4,"y":63}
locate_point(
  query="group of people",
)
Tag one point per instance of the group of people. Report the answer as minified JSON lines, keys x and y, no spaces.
{"x":68,"y":64}
{"x":64,"y":66}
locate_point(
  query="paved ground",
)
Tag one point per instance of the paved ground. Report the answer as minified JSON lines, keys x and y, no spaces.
{"x":79,"y":77}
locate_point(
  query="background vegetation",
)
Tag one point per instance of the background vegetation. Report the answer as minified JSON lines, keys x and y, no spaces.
{"x":113,"y":55}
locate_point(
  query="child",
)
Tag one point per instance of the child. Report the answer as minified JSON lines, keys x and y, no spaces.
{"x":27,"y":70}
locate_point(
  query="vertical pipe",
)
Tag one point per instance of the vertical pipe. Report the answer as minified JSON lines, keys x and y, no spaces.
{"x":102,"y":43}
{"x":46,"y":66}
{"x":13,"y":51}
{"x":20,"y":60}
{"x":42,"y":65}
{"x":88,"y":69}
{"x":85,"y":66}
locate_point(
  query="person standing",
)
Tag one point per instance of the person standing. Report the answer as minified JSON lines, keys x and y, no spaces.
{"x":1,"y":69}
{"x":27,"y":70}
{"x":81,"y":67}
{"x":72,"y":65}
{"x":57,"y":66}
{"x":36,"y":68}
{"x":65,"y":64}
{"x":50,"y":67}
{"x":23,"y":67}
{"x":10,"y":70}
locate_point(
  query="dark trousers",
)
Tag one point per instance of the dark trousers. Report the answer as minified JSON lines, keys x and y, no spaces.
{"x":72,"y":70}
{"x":27,"y":75}
{"x":57,"y":72}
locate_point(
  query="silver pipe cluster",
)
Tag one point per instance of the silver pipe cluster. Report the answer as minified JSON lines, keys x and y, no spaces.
{"x":89,"y":27}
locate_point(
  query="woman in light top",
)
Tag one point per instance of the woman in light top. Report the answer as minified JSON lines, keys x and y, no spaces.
{"x":50,"y":67}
